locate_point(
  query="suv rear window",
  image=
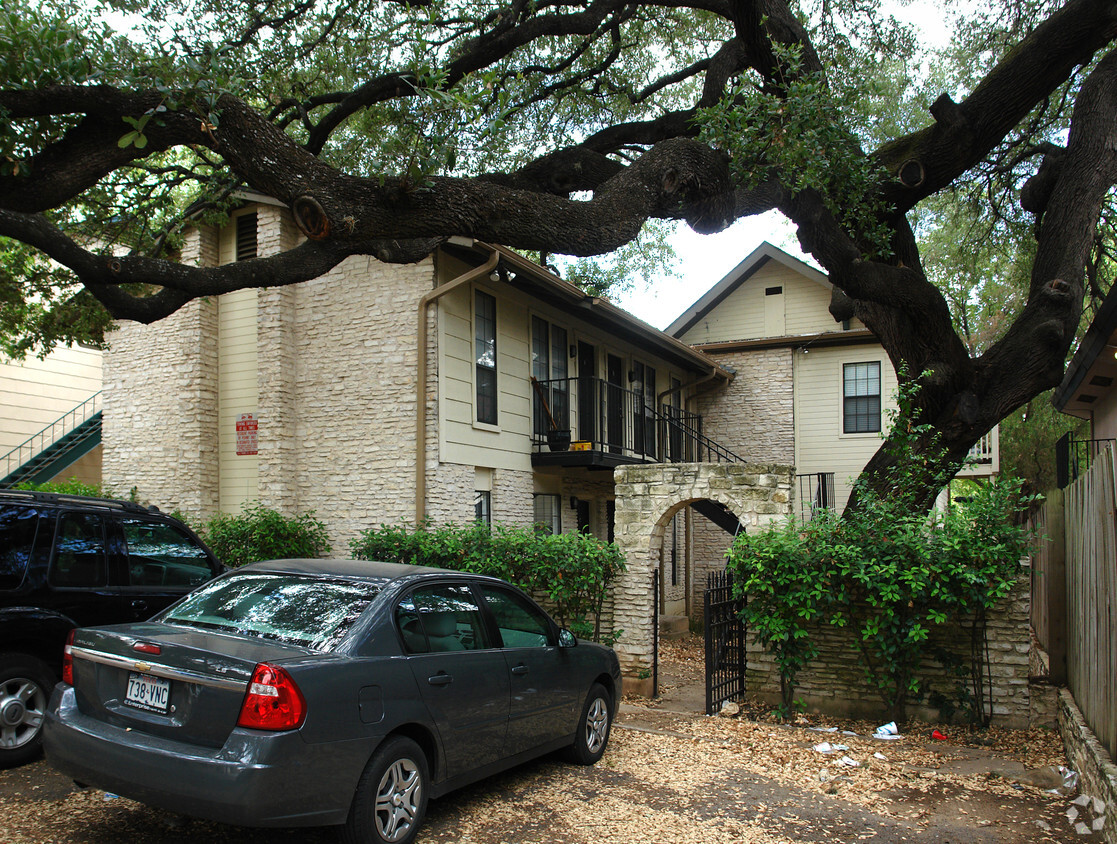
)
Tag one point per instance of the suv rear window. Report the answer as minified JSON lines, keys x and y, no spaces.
{"x":314,"y":612}
{"x":17,"y":536}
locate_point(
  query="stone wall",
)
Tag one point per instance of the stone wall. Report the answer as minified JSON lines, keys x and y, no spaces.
{"x":647,"y":498}
{"x":160,"y":431}
{"x":834,"y":683}
{"x":754,"y":416}
{"x":1097,"y":775}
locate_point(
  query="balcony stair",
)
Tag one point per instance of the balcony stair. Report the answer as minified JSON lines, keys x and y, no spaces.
{"x":719,"y":514}
{"x":57,"y":446}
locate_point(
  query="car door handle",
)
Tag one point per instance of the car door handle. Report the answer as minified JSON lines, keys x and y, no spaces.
{"x":520,"y":669}
{"x":442,"y":679}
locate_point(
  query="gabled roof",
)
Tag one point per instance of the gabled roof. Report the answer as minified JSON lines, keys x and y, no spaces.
{"x":756,"y":259}
{"x":601,"y":313}
{"x":1093,"y":368}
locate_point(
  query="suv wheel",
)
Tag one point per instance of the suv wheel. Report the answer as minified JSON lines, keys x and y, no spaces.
{"x":25,"y":684}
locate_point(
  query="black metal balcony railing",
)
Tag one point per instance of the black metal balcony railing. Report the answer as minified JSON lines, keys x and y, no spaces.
{"x":1073,"y":458}
{"x":605,"y":418}
{"x":816,"y":492}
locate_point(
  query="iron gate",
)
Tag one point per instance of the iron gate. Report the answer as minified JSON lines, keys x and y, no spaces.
{"x":725,"y":642}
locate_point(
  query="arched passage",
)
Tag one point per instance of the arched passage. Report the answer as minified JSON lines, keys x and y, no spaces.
{"x":647,"y":498}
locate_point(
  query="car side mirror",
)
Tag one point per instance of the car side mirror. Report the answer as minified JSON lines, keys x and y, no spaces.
{"x":567,"y":639}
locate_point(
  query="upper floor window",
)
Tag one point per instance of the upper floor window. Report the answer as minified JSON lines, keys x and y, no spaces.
{"x":861,"y":397}
{"x":484,"y":320}
{"x":550,"y":370}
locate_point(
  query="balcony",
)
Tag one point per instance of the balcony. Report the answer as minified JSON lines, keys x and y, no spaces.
{"x":593,"y":423}
{"x":984,"y":459}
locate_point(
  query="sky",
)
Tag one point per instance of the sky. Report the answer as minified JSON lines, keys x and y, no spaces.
{"x":704,"y":259}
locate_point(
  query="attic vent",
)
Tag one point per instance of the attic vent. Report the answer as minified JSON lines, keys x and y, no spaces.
{"x":1087,"y":399}
{"x":246,"y":236}
{"x":773,"y":291}
{"x":1101,"y":381}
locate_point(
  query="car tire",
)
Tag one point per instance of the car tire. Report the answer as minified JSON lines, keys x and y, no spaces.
{"x":594,"y":726}
{"x":25,"y":686}
{"x":391,"y":797}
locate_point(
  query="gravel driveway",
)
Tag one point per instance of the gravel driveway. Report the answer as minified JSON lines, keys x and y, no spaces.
{"x":668,"y":776}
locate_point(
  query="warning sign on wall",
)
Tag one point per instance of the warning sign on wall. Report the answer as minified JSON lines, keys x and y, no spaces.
{"x":246,"y":433}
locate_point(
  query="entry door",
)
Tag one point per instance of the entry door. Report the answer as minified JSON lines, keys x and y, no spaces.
{"x":614,"y":400}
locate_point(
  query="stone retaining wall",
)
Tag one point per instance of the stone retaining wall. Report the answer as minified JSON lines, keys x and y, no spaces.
{"x":835,"y":684}
{"x":1097,"y":775}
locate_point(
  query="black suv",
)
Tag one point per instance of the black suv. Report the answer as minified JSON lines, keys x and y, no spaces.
{"x":68,"y":561}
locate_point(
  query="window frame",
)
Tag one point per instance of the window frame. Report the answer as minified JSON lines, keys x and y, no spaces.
{"x":485,"y":377}
{"x":846,"y":398}
{"x":555,"y":525}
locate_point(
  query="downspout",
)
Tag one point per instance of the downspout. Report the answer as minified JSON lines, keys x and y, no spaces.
{"x":421,"y":378}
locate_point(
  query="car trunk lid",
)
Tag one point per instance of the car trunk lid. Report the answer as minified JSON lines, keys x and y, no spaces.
{"x":184,"y":684}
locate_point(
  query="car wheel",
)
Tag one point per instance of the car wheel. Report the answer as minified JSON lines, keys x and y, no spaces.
{"x":25,"y":684}
{"x":593,"y":728}
{"x":391,"y":797}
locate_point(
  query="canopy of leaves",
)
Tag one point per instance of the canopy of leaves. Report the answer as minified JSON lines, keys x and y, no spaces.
{"x":959,"y":200}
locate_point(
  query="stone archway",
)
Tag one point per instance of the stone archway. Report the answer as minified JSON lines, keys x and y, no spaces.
{"x":647,"y":496}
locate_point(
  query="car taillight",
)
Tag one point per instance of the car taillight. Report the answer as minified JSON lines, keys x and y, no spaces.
{"x":68,"y":660}
{"x":273,"y":701}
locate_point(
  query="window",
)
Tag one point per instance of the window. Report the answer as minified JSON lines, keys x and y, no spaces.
{"x":861,"y":397}
{"x":643,"y":407}
{"x":485,"y":347}
{"x":160,"y":555}
{"x":483,"y":506}
{"x":79,"y":557}
{"x":521,"y":624}
{"x":437,"y":619}
{"x":549,"y":369}
{"x":17,"y":535}
{"x":547,"y":515}
{"x":314,"y":612}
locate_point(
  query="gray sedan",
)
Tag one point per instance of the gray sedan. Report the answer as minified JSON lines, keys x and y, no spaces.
{"x":317,"y":692}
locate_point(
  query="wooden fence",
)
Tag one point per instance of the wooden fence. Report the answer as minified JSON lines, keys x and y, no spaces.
{"x":1091,"y":588}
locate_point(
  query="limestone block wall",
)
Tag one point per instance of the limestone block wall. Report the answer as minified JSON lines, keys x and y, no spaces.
{"x":647,"y":498}
{"x":834,"y":682}
{"x":754,"y":416}
{"x":350,"y":356}
{"x":160,"y":430}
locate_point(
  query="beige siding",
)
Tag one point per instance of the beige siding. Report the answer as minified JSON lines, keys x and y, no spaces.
{"x":748,"y":313}
{"x":820,"y":445}
{"x":508,"y":444}
{"x":35,"y":393}
{"x":237,"y":394}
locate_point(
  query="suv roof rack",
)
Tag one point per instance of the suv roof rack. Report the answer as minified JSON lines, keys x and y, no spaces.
{"x":62,"y":498}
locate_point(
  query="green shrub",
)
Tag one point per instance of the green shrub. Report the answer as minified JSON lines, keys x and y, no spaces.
{"x":70,"y":486}
{"x":889,"y":572}
{"x":570,"y":573}
{"x":259,"y":533}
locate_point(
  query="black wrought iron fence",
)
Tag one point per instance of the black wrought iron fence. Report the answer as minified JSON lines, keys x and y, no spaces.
{"x":1073,"y":458}
{"x":726,"y":657}
{"x":598,"y":415}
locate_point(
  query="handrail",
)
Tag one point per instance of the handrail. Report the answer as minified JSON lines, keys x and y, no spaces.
{"x":38,"y":443}
{"x":622,"y":421}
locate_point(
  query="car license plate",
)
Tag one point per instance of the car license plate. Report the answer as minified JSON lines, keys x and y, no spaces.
{"x":148,"y":692}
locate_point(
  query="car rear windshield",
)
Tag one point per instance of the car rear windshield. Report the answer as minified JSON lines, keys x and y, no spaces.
{"x":314,"y":612}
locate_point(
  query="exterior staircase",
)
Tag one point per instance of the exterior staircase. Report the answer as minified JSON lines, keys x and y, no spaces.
{"x":57,"y":446}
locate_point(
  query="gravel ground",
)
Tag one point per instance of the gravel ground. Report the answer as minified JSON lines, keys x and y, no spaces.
{"x":667,"y":777}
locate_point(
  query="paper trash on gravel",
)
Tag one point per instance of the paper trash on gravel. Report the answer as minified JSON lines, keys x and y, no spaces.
{"x":887,"y":731}
{"x":849,"y":762}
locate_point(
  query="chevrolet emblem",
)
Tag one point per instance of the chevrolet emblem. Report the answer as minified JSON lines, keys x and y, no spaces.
{"x":143,"y":666}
